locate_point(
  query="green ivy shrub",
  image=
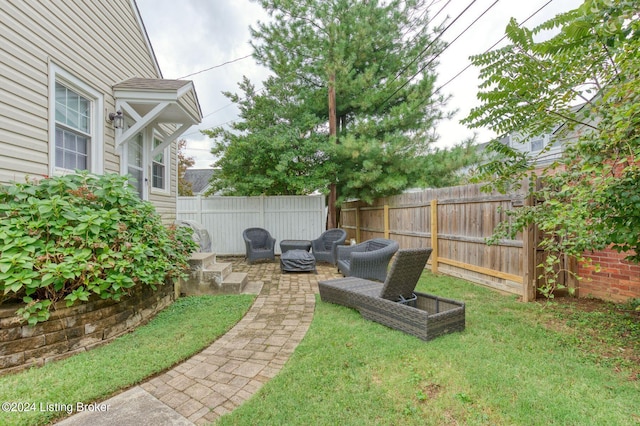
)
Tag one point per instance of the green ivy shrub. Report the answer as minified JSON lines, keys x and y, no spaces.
{"x":68,"y":237}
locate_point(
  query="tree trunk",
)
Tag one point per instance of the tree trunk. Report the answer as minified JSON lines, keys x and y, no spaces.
{"x":332,"y":220}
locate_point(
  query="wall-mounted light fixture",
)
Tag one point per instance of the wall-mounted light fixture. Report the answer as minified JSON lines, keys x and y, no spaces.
{"x":117,"y":118}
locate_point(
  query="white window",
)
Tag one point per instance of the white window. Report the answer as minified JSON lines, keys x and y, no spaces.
{"x":75,"y":141}
{"x":160,"y":168}
{"x":537,"y":144}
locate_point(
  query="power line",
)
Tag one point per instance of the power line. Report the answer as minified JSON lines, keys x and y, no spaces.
{"x":413,"y":61}
{"x":492,"y":46}
{"x":216,"y":66}
{"x":431,"y":61}
{"x":217,"y":125}
{"x":406,"y":67}
{"x":435,"y":57}
{"x":395,"y":78}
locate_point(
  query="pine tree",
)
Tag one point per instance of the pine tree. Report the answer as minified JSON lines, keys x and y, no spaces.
{"x":380,"y":58}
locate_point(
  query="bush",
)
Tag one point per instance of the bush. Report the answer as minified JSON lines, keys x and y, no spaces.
{"x":66,"y":238}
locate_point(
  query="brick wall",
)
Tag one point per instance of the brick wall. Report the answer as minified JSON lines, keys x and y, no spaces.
{"x":618,"y":280}
{"x":76,"y":329}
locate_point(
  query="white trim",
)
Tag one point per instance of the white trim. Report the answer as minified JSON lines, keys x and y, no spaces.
{"x":168,"y":140}
{"x":124,"y":163}
{"x":166,"y":152}
{"x":96,"y":148}
{"x":140,"y":124}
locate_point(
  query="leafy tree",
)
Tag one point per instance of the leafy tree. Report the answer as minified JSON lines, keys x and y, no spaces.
{"x":380,"y":58}
{"x":583,"y":84}
{"x":185,"y":188}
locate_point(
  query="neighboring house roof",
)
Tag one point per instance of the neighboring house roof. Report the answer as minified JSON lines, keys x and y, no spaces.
{"x":199,"y":179}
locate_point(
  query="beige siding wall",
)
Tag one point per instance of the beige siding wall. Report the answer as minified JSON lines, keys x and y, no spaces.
{"x":99,"y":43}
{"x":189,"y":103}
{"x":166,"y":204}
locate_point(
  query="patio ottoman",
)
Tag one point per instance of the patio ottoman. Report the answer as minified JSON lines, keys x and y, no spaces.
{"x":297,"y":261}
{"x":286,"y":245}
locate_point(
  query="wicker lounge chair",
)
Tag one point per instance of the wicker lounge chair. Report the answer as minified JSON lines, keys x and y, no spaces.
{"x":325,"y":247}
{"x":368,"y":260}
{"x":395,"y":303}
{"x":259,"y":244}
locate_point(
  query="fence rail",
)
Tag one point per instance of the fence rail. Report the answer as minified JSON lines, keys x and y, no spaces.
{"x":285,"y":217}
{"x":455,"y":222}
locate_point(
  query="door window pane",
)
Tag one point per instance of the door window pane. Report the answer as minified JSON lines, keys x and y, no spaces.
{"x":134,"y":164}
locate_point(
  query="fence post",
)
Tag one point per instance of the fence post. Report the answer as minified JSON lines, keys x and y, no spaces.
{"x":434,"y":236}
{"x":386,"y":221}
{"x":529,"y":245}
{"x":357,"y":223}
{"x":200,"y":209}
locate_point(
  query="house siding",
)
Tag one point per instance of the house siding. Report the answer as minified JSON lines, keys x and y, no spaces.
{"x":100,"y":44}
{"x":188,"y":104}
{"x":166,"y":204}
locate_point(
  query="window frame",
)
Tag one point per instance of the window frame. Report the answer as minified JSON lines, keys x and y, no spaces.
{"x":166,"y":153}
{"x":95,"y":158}
{"x":539,"y":140}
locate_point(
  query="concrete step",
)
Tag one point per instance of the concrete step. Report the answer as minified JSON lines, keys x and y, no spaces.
{"x":253,"y":287}
{"x":234,"y":283}
{"x":219,"y":280}
{"x":200,"y":261}
{"x":217,"y":272}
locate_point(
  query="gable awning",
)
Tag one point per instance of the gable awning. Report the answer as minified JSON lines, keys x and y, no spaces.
{"x":168,"y":106}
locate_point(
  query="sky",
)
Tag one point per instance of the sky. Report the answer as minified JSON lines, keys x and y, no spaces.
{"x":204,"y":41}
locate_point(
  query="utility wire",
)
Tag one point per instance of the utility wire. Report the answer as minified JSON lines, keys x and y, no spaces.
{"x":417,"y":57}
{"x":492,"y":46}
{"x":216,"y":66}
{"x":395,"y":78}
{"x":434,"y":58}
{"x":395,"y":92}
{"x":406,"y":67}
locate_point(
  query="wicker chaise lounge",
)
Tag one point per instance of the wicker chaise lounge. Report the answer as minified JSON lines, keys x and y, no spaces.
{"x":259,"y":244}
{"x":325,"y":247}
{"x":395,"y":303}
{"x":368,"y":260}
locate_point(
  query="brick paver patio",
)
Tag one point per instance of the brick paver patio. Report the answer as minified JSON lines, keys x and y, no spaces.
{"x":234,"y":367}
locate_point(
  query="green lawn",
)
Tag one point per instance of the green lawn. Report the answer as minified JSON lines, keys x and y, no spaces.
{"x":183,"y":329}
{"x":515,"y":364}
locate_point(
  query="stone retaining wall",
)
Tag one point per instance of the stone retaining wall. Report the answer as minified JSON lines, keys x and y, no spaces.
{"x":75,"y":329}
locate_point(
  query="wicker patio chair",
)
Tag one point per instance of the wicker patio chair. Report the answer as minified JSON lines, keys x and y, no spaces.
{"x":325,"y":247}
{"x":395,"y":303}
{"x":368,"y":260}
{"x":259,"y":244}
{"x":398,"y":286}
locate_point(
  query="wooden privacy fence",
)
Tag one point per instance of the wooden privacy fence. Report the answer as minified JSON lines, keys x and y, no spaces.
{"x":285,"y":217}
{"x":455,"y":222}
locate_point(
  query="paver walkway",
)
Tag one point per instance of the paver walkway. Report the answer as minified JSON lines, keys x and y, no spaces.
{"x":234,"y":367}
